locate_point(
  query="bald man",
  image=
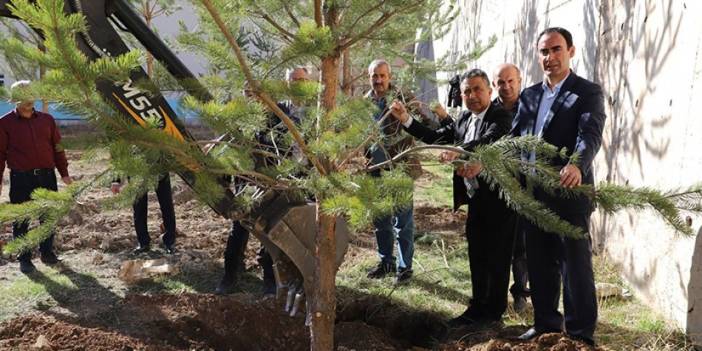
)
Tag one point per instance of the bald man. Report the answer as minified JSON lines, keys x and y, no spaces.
{"x":507,"y":81}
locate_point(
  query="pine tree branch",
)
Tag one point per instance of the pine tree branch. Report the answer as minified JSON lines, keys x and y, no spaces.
{"x":352,"y":81}
{"x":286,"y":34}
{"x":294,"y":19}
{"x":414,"y":150}
{"x":365,"y":14}
{"x":355,"y":151}
{"x":48,"y":205}
{"x":379,"y":22}
{"x":256,"y":88}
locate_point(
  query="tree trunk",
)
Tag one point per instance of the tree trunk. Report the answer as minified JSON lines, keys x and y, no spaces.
{"x":324,"y":292}
{"x":324,"y":299}
{"x":330,"y":81}
{"x":346,"y":83}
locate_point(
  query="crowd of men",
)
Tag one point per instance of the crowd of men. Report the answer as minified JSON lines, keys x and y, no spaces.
{"x":564,"y":110}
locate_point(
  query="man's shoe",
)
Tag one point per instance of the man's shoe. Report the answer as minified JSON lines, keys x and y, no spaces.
{"x":49,"y":258}
{"x":583,"y":339}
{"x":141,"y":249}
{"x":520,"y":304}
{"x":381,"y":270}
{"x":170,"y":249}
{"x":403,"y":275}
{"x":461,"y":321}
{"x":468,"y":317}
{"x":27,"y":267}
{"x":533,"y":333}
{"x":226,"y":286}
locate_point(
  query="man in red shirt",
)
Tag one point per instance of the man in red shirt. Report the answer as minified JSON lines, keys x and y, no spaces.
{"x":30,"y":144}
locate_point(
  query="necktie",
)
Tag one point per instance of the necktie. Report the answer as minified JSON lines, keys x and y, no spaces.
{"x":472,"y":134}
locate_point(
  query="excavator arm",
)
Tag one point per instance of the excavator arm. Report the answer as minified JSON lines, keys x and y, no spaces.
{"x":135,"y":104}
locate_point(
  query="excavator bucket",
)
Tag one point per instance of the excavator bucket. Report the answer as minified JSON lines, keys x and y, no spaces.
{"x":288,"y":229}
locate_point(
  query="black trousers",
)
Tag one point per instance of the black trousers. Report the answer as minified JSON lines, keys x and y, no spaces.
{"x":22,"y":184}
{"x":490,"y":234}
{"x":234,"y":253}
{"x":520,"y":270}
{"x":165,"y":201}
{"x":554,"y":259}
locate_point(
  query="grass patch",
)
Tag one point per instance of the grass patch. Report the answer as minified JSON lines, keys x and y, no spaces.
{"x":24,"y":293}
{"x":441,"y":281}
{"x":435,"y":187}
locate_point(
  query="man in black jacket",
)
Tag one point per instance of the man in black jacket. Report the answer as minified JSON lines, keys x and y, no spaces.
{"x":270,"y":140}
{"x":490,"y":224}
{"x":507,"y":80}
{"x":565,"y":111}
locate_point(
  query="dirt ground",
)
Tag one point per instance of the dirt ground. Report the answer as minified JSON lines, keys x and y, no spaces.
{"x":100,"y":312}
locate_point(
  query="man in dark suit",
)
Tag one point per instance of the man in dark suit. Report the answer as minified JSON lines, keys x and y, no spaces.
{"x":507,"y":80}
{"x":270,"y":140}
{"x":490,"y":224}
{"x":566,"y":111}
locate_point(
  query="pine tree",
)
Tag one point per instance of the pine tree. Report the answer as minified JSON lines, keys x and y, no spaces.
{"x":333,"y":137}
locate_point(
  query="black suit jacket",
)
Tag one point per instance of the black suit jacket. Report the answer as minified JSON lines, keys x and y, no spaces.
{"x":575,"y":122}
{"x":495,"y":124}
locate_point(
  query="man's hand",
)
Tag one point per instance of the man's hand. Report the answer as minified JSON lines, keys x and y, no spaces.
{"x":67,"y":180}
{"x":399,"y":111}
{"x":116,"y":187}
{"x":448,"y":156}
{"x":470,"y":170}
{"x":440,"y":111}
{"x":571,"y":176}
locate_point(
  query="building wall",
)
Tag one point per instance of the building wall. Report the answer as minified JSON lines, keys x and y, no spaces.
{"x":648,"y":57}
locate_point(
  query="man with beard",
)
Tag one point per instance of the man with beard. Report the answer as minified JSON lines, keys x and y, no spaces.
{"x":400,"y":224}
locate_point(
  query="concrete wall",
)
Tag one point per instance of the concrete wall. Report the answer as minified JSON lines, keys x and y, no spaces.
{"x":648,"y":57}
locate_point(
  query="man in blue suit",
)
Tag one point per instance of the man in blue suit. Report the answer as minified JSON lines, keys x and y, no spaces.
{"x":566,"y":111}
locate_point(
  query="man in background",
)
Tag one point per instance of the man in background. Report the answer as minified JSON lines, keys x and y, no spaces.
{"x":239,"y":236}
{"x":507,"y":80}
{"x":30,"y":145}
